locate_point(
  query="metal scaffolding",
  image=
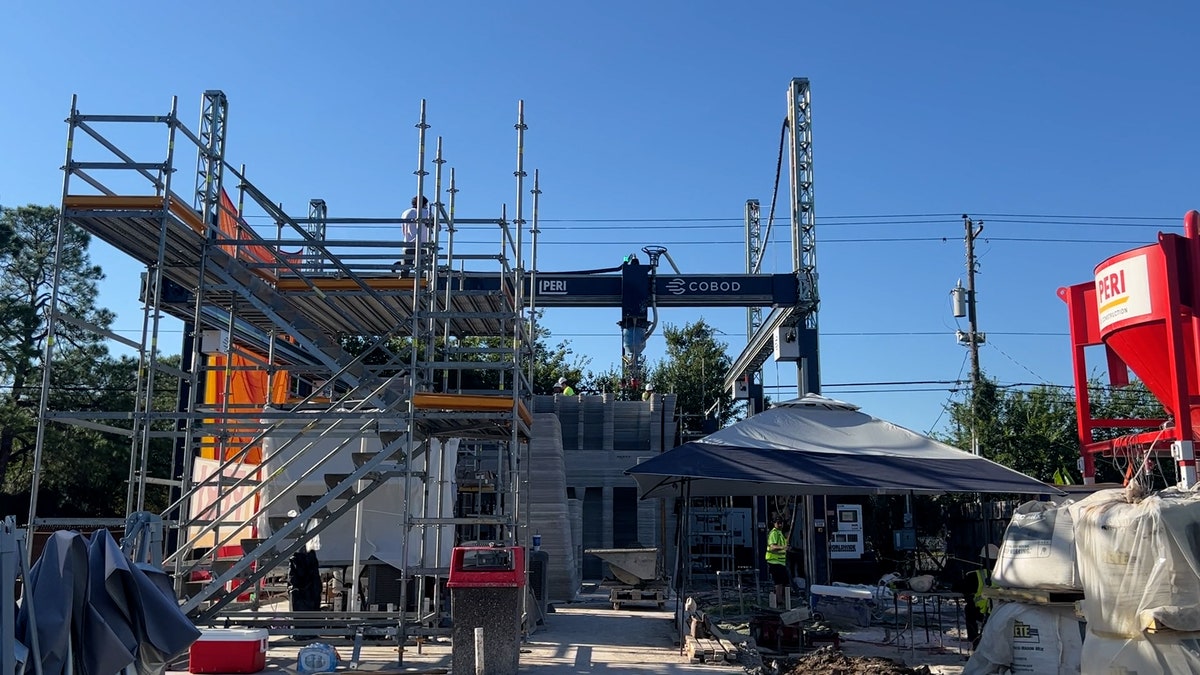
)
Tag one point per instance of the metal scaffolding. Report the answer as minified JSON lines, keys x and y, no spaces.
{"x":387,"y":373}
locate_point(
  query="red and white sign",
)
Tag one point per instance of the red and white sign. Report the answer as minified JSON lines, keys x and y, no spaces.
{"x":1122,"y":290}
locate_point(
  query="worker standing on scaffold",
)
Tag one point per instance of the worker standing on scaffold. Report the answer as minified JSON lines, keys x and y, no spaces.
{"x":417,"y":232}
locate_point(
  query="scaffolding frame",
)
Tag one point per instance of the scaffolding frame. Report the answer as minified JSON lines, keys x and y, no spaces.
{"x":284,"y":311}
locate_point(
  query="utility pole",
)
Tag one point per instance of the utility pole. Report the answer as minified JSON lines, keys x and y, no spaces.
{"x":964,"y":304}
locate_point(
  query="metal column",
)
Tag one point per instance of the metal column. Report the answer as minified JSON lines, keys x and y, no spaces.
{"x":804,"y":232}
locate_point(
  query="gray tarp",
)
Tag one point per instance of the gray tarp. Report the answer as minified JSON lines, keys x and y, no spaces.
{"x":820,"y":446}
{"x":109,"y":612}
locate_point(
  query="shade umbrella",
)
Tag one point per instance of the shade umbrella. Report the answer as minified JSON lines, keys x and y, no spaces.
{"x":821,"y":446}
{"x":97,"y":612}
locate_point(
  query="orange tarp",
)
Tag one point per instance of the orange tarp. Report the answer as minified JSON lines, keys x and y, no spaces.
{"x":233,"y":227}
{"x":248,"y":390}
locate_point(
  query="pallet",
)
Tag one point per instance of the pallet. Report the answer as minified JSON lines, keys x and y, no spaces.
{"x":1033,"y":596}
{"x":723,"y":639}
{"x":704,"y":650}
{"x":728,"y":647}
{"x":620,"y":596}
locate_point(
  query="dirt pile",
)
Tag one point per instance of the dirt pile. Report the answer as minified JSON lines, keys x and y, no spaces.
{"x":829,"y":661}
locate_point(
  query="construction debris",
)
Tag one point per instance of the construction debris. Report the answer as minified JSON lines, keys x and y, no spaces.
{"x":830,"y":661}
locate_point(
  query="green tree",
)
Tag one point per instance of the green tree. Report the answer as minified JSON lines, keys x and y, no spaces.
{"x":1031,"y":431}
{"x":84,"y":470}
{"x":1034,"y":431}
{"x":694,"y":370}
{"x":607,"y":381}
{"x":553,"y":362}
{"x":549,"y":362}
{"x":6,"y":234}
{"x":1130,"y":402}
{"x":26,"y":280}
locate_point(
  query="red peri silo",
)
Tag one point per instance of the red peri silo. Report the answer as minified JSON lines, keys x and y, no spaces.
{"x":1134,"y":300}
{"x":1142,"y":307}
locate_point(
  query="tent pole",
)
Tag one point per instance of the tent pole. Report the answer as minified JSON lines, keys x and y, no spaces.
{"x":679,"y":541}
{"x":757,"y":530}
{"x":810,"y":543}
{"x":912,"y":522}
{"x":793,"y":510}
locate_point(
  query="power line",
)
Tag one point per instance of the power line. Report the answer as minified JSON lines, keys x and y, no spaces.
{"x":1018,"y":363}
{"x":940,"y":385}
{"x":893,"y":386}
{"x":892,"y":391}
{"x":867,"y":218}
{"x":888,"y":384}
{"x":929,"y":333}
{"x":1073,"y":223}
{"x":1074,"y":217}
{"x":706,"y":224}
{"x":941,"y":333}
{"x":856,"y":241}
{"x":946,"y":405}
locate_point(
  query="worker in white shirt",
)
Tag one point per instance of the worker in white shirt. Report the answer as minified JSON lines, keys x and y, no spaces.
{"x":417,"y":230}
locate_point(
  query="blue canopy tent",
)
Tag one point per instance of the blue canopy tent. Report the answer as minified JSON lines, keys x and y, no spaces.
{"x":820,"y":446}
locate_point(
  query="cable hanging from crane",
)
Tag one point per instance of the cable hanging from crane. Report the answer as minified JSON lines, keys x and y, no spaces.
{"x":774,"y":191}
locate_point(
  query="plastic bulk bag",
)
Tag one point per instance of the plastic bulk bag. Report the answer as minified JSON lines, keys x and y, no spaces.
{"x":1038,"y":550}
{"x":1138,"y":561}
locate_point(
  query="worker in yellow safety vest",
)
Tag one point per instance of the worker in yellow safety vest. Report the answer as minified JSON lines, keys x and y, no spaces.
{"x":777,"y":547}
{"x":978,"y":607}
{"x":561,"y":387}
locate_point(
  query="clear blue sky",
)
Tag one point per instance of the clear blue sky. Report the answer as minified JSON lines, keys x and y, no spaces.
{"x":639,"y":112}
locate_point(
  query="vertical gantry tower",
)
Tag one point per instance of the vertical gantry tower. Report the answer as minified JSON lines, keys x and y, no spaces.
{"x":798,"y":322}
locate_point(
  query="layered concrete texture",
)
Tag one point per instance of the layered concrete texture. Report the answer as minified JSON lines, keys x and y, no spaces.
{"x":549,"y":514}
{"x":601,"y":437}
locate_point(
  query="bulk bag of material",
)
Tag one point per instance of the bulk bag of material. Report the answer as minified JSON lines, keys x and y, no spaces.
{"x":1028,"y":640}
{"x":1038,"y":550}
{"x":1138,"y":561}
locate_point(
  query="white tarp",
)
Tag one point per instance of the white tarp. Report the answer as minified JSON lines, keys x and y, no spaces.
{"x":1038,"y":549}
{"x":382,"y":512}
{"x":1138,"y":562}
{"x":1029,"y":640}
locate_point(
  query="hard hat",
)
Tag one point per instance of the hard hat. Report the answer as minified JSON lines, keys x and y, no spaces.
{"x":561,"y":381}
{"x":649,"y":387}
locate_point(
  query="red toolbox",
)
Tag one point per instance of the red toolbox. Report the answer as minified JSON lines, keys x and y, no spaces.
{"x":229,"y":650}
